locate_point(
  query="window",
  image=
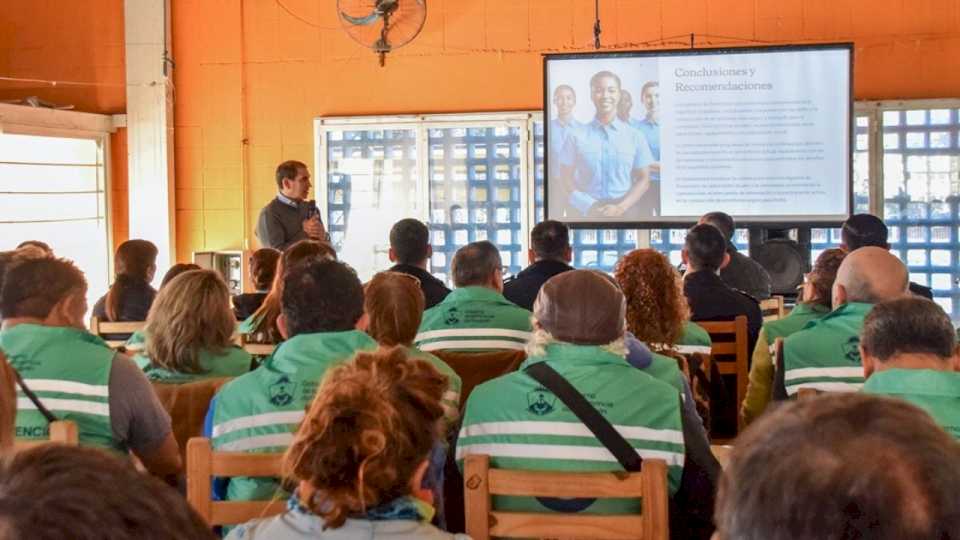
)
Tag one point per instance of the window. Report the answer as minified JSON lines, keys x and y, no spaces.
{"x":53,"y":189}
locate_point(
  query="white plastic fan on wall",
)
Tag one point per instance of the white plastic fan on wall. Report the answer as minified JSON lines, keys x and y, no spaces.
{"x":382,"y":25}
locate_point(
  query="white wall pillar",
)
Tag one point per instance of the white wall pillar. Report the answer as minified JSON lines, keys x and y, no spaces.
{"x":150,"y":126}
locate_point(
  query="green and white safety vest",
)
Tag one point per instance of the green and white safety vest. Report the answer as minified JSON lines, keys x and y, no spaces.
{"x":232,"y":363}
{"x":260,"y":411}
{"x":69,"y":371}
{"x":474,"y":319}
{"x":937,"y":392}
{"x":451,"y":398}
{"x":694,"y":340}
{"x":522,"y":425}
{"x":825,"y":354}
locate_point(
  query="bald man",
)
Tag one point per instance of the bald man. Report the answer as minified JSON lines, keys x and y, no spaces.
{"x":825,"y":355}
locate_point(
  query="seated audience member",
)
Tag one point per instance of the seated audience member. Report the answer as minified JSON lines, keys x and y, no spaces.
{"x":73,"y":373}
{"x":579,"y":332}
{"x":130,"y":296}
{"x":263,"y":268}
{"x":9,"y":258}
{"x":8,"y":404}
{"x":56,"y":491}
{"x":189,"y":332}
{"x":909,"y":350}
{"x":657,"y":311}
{"x":475,"y":316}
{"x":862,"y":230}
{"x":259,"y":411}
{"x":710,"y":299}
{"x":410,"y":250}
{"x":262,"y":325}
{"x":816,"y":300}
{"x":741,"y":273}
{"x":392,"y":310}
{"x":550,"y":254}
{"x":362,"y":453}
{"x":42,"y":246}
{"x":841,"y":467}
{"x":175,"y":271}
{"x":824,"y":356}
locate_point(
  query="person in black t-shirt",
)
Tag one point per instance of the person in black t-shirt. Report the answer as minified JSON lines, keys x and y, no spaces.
{"x":410,"y":250}
{"x":550,"y":254}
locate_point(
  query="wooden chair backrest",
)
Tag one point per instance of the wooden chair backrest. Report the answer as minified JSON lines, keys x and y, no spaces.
{"x":187,"y":405}
{"x":477,"y":368}
{"x":481,"y":481}
{"x":772,"y":308}
{"x":806,"y":393}
{"x":61,"y":431}
{"x":729,"y":352}
{"x":257,"y":349}
{"x":109,"y":328}
{"x":203,"y":464}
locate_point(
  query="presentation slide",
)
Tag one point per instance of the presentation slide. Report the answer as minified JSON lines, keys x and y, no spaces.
{"x":647,"y":138}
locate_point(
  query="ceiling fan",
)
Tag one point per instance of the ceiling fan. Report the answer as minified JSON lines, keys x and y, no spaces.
{"x":382,"y":25}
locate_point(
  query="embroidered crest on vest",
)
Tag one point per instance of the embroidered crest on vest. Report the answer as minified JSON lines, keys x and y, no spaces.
{"x":539,"y":403}
{"x":851,"y":349}
{"x":281,"y":392}
{"x":452,"y":317}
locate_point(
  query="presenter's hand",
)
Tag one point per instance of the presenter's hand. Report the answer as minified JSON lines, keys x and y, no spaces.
{"x":612,"y":210}
{"x":314,"y":229}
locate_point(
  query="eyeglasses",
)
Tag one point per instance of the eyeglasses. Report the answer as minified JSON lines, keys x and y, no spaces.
{"x":401,"y":274}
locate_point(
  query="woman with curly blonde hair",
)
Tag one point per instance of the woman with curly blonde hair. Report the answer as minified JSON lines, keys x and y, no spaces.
{"x":189,"y":331}
{"x":361,"y":454}
{"x":657,"y":311}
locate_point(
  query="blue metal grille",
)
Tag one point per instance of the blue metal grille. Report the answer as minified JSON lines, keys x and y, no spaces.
{"x":592,"y":248}
{"x":475,"y":192}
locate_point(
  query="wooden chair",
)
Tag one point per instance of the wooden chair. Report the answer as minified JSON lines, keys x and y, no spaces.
{"x":772,"y":308}
{"x":481,"y":481}
{"x":257,"y":349}
{"x":109,"y":331}
{"x":61,"y":431}
{"x":722,"y":453}
{"x":806,"y":393}
{"x":479,"y":367}
{"x":203,"y":464}
{"x":729,"y":352}
{"x":187,"y":405}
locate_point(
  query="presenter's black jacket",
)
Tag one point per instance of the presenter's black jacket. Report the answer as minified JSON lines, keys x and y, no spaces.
{"x":745,"y":274}
{"x":434,"y":291}
{"x":921,"y":291}
{"x":281,"y":225}
{"x":522,"y":289}
{"x":711,"y":299}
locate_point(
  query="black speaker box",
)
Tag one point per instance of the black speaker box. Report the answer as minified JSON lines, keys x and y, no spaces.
{"x":784,"y":254}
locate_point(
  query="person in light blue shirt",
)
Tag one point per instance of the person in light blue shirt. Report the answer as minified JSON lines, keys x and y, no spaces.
{"x":605,"y":165}
{"x":650,"y":125}
{"x":564,"y":100}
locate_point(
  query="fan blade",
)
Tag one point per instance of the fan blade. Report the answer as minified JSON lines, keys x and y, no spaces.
{"x":361,"y":21}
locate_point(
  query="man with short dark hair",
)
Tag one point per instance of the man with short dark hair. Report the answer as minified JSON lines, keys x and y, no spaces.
{"x":825,"y":355}
{"x":550,"y":254}
{"x":863,"y":230}
{"x":841,"y":467}
{"x":475,"y":317}
{"x":74,"y":374}
{"x":705,"y":254}
{"x":290,"y":217}
{"x":410,"y":250}
{"x":259,"y":412}
{"x":742,"y":273}
{"x":909,"y":350}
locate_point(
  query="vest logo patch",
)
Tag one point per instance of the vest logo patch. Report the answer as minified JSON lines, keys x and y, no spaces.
{"x":541,"y":402}
{"x":452,"y":317}
{"x":281,"y":392}
{"x":851,"y":349}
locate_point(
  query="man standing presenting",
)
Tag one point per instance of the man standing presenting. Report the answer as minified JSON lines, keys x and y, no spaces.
{"x":604,"y":166}
{"x":290,"y":218}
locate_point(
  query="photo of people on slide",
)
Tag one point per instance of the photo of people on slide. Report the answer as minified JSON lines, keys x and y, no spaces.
{"x":608,"y":166}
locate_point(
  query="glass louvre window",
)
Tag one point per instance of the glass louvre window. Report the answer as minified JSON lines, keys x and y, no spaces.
{"x":921,"y":185}
{"x":371,"y":184}
{"x":598,"y":249}
{"x":474,"y":178}
{"x":53,"y":189}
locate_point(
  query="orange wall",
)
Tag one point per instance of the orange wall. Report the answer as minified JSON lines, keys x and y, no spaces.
{"x":64,"y":40}
{"x":251,"y":76}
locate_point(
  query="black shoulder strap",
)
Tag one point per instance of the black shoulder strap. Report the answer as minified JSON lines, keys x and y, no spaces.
{"x":33,"y":397}
{"x":595,"y":422}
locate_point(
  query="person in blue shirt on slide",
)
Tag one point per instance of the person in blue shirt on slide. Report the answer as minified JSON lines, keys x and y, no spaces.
{"x":650,"y":125}
{"x":564,"y":99}
{"x":604,"y":167}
